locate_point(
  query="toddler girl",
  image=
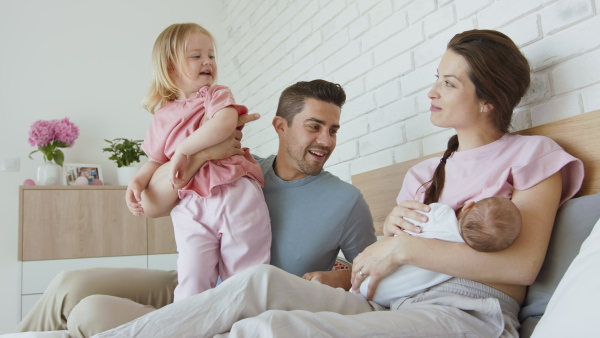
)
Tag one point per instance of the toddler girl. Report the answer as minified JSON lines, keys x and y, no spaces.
{"x":222,"y":223}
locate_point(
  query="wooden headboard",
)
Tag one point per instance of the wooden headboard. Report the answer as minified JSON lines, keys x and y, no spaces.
{"x":578,"y":135}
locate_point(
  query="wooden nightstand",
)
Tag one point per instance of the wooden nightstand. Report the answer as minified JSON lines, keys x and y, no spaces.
{"x":77,"y":227}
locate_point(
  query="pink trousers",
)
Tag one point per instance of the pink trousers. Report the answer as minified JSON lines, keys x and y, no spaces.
{"x":220,"y":235}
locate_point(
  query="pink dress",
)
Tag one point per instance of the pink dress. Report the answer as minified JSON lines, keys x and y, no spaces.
{"x":222,"y":223}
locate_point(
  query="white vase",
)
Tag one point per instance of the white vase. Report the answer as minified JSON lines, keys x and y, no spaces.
{"x":125,"y":174}
{"x":48,"y":174}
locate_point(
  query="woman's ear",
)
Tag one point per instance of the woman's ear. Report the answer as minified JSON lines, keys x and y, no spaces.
{"x":486,"y":107}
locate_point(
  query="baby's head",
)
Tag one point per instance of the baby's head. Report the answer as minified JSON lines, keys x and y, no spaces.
{"x":491,"y":224}
{"x":173,"y":61}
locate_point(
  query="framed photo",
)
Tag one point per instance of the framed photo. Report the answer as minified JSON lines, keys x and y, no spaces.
{"x":81,"y":173}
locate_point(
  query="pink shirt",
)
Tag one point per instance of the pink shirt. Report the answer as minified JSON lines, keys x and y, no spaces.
{"x":513,"y":162}
{"x":176,"y":120}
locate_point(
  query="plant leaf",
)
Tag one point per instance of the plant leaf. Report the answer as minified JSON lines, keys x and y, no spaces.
{"x":59,"y":157}
{"x":31,"y":153}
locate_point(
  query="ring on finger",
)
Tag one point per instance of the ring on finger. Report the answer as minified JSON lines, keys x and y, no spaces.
{"x":362,"y":274}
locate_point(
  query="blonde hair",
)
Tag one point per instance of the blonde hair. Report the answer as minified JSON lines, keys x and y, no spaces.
{"x":492,"y":224}
{"x":168,"y":54}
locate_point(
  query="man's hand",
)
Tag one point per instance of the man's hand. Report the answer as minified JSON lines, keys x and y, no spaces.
{"x":335,"y":278}
{"x":231,"y":146}
{"x":242,"y":120}
{"x":159,"y":198}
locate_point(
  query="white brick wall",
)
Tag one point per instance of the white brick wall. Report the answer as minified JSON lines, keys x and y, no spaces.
{"x":591,"y":98}
{"x":385,"y":54}
{"x":565,"y":13}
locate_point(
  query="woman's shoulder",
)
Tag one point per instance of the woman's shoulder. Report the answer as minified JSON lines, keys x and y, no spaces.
{"x":423,"y":170}
{"x":428,"y":163}
{"x":538,"y":157}
{"x":525,"y":149}
{"x":517,"y":151}
{"x":538,"y":141}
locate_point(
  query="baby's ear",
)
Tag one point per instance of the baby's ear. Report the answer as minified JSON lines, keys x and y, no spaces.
{"x":468,"y":206}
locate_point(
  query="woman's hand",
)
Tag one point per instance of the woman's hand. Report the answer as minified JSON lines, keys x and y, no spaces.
{"x":395,"y":224}
{"x":378,"y":261}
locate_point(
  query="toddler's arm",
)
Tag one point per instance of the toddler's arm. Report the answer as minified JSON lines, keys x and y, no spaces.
{"x":212,"y":132}
{"x":159,"y":197}
{"x":138,"y":183}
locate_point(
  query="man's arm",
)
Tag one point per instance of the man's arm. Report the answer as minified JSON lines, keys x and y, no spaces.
{"x":159,"y":198}
{"x":359,"y":233}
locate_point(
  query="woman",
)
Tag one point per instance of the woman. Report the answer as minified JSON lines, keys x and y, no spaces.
{"x":481,"y":78}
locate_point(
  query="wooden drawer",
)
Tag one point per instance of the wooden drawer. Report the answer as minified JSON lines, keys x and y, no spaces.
{"x":66,"y":222}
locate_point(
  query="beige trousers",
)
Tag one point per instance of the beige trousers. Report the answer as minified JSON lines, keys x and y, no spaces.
{"x":134,"y":292}
{"x":264,"y":301}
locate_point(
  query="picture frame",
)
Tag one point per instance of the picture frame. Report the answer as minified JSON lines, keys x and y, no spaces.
{"x":77,"y":173}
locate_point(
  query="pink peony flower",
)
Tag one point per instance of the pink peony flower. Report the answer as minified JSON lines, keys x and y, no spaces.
{"x":49,"y":136}
{"x":41,"y":133}
{"x":65,"y":131}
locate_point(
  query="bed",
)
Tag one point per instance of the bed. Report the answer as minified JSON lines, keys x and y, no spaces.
{"x":563,"y":298}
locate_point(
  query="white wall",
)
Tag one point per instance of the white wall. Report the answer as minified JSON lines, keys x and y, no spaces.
{"x":88,"y":60}
{"x":385,"y":54}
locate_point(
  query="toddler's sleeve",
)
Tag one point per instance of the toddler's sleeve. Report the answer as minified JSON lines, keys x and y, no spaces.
{"x":219,"y":97}
{"x":155,"y":141}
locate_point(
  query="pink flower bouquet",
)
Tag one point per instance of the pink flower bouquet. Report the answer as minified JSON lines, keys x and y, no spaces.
{"x":48,"y":136}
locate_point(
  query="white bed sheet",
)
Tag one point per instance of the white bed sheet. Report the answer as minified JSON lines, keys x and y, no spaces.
{"x":47,"y":334}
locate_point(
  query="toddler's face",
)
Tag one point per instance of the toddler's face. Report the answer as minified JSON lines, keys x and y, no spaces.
{"x":201,"y":64}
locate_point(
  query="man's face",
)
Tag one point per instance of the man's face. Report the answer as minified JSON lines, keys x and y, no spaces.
{"x":307,"y":143}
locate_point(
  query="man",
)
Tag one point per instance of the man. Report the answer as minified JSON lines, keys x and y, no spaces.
{"x":313,"y":215}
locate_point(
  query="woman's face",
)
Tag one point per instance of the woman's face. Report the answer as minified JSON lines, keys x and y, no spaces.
{"x":453,"y":100}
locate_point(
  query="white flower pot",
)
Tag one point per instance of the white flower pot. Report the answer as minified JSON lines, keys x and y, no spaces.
{"x":125,"y":174}
{"x":49,"y":174}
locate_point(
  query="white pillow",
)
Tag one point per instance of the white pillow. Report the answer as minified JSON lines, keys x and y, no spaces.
{"x":573,"y":308}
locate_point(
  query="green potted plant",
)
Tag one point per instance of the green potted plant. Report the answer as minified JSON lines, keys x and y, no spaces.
{"x":125,"y":153}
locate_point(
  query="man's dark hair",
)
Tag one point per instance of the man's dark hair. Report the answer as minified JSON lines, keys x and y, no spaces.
{"x":292,"y":99}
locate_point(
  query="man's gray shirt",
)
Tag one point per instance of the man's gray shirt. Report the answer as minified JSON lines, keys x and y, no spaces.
{"x":313,"y":218}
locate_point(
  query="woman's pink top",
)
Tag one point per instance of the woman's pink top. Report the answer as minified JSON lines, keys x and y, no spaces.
{"x":513,"y":162}
{"x":176,"y":120}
